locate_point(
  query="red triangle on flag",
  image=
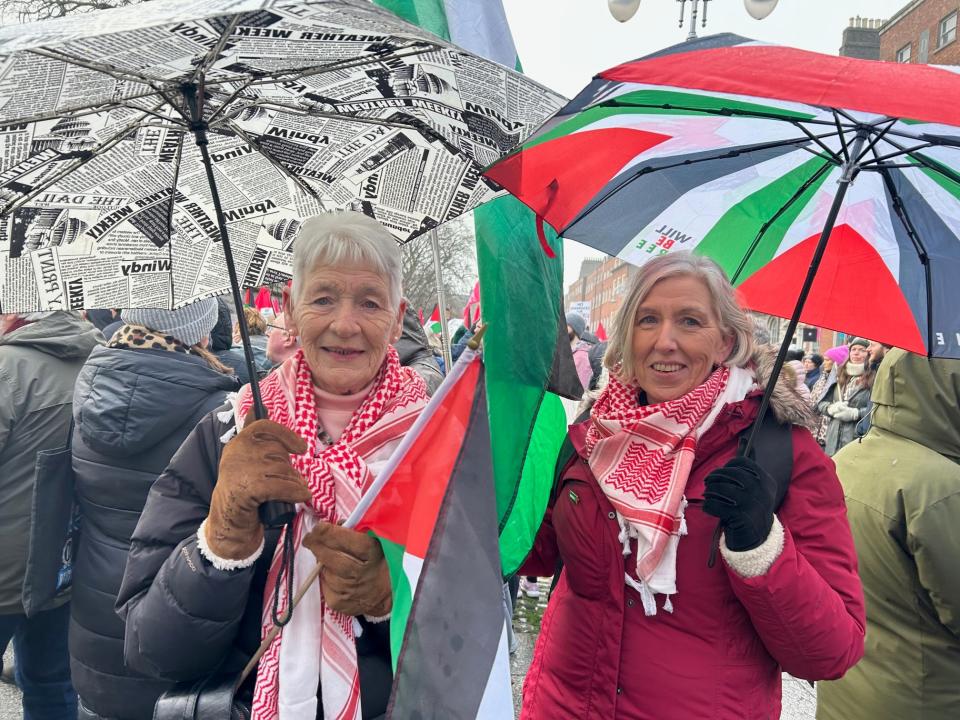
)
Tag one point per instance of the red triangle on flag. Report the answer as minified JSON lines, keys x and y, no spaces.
{"x":601,"y":333}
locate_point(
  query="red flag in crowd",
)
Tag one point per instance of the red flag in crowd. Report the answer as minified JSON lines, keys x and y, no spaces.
{"x":601,"y":333}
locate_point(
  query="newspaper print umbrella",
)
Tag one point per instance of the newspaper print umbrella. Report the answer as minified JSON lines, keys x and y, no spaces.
{"x":132,"y":141}
{"x":773,"y":161}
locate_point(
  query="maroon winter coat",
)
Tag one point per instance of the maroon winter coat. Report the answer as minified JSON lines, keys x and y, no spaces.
{"x":720,"y":653}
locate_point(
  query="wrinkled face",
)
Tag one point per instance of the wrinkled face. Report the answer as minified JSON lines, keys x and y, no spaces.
{"x":858,"y":354}
{"x":343,"y":318}
{"x":676,"y":338}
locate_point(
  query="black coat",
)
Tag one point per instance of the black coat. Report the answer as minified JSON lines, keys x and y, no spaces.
{"x":185,"y":618}
{"x":132,"y":410}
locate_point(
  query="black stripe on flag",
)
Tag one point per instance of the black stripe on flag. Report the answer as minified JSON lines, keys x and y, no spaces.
{"x":457,"y":617}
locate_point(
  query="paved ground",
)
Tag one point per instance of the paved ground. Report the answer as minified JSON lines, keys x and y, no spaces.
{"x":799,"y":699}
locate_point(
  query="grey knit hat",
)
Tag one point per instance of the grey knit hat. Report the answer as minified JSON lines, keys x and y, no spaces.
{"x":189,"y":324}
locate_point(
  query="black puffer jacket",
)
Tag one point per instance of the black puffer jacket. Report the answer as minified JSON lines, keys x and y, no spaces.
{"x":185,"y":618}
{"x":132,"y":410}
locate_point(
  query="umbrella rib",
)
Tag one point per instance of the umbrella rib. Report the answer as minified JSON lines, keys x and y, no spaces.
{"x":94,"y":65}
{"x":843,"y":141}
{"x":876,"y":138}
{"x":724,"y":112}
{"x":833,"y":156}
{"x":81,"y":110}
{"x":786,"y":206}
{"x":350,"y":64}
{"x":86,"y":157}
{"x":934,"y":166}
{"x":918,"y":245}
{"x":178,"y":159}
{"x":212,"y":54}
{"x":273,"y":161}
{"x":721,"y":155}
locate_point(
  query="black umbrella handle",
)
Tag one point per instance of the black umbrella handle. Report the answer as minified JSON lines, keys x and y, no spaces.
{"x":272,"y":513}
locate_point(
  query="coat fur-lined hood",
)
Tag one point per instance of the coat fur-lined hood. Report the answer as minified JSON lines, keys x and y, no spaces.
{"x":786,"y":403}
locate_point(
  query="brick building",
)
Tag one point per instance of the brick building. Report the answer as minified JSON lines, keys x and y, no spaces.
{"x":603,"y":284}
{"x":922,"y":31}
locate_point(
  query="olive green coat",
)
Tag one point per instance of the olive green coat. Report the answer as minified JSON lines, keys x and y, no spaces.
{"x":902,"y":485}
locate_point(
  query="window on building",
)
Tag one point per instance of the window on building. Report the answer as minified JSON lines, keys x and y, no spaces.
{"x":903,"y":54}
{"x":948,"y":30}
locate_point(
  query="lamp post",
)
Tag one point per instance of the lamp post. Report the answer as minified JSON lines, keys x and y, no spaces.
{"x":623,"y":10}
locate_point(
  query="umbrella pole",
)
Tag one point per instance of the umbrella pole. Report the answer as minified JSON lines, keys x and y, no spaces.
{"x":442,"y":300}
{"x":846,"y":177}
{"x":272,"y":514}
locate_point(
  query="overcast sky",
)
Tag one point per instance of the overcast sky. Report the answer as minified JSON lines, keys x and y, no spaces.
{"x":564,"y":43}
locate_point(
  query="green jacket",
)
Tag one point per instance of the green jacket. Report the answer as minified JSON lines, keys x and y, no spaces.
{"x":39,"y":364}
{"x":902,"y":485}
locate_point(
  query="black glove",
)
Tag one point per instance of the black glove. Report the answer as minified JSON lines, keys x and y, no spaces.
{"x":744,"y":497}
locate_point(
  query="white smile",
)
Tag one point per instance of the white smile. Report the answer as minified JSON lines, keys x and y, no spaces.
{"x":667,"y":367}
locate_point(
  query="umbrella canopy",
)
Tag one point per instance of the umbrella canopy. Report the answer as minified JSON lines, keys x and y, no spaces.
{"x":134,"y":139}
{"x":752,"y":154}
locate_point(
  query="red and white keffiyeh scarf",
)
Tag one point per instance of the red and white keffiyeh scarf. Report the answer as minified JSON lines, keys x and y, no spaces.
{"x":642,"y":456}
{"x":318,"y":645}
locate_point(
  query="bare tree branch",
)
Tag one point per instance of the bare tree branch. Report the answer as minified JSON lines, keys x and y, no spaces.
{"x":29,"y":10}
{"x":457,"y":261}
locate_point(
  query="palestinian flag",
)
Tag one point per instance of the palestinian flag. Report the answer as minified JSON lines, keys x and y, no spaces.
{"x":433,"y":510}
{"x":526,"y":354}
{"x":433,"y":325}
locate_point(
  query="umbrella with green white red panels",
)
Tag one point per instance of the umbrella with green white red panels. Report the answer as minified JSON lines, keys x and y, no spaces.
{"x":752,"y":154}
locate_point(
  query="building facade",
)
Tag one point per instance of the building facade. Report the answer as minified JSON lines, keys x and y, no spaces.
{"x":922,"y":31}
{"x":602,"y":283}
{"x":861,"y":38}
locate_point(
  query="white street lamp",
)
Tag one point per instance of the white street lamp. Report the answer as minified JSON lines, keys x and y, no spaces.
{"x":759,"y":9}
{"x":623,"y":10}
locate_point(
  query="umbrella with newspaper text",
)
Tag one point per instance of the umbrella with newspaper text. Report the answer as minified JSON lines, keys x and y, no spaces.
{"x":159,"y":153}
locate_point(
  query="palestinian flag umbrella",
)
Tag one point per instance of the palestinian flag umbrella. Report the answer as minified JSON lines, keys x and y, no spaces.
{"x":775,"y":162}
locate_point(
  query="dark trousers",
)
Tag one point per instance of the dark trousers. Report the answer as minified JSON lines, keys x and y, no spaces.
{"x":43,"y":663}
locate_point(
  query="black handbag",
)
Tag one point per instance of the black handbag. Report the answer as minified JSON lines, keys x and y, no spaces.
{"x":54,"y":530}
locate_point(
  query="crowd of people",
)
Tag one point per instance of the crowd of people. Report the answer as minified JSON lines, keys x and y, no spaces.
{"x":689,"y":571}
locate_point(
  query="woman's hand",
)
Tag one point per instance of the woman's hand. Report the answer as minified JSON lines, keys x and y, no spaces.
{"x":744,"y":497}
{"x":355,"y":578}
{"x":254,"y":468}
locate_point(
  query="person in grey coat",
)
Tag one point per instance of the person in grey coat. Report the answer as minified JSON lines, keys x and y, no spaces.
{"x":40,"y":357}
{"x":136,"y":400}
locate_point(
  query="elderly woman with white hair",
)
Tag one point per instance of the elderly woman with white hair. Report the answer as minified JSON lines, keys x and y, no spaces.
{"x":202,"y":570}
{"x":643,"y":623}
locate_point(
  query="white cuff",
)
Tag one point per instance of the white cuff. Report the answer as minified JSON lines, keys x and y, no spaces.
{"x":755,"y":562}
{"x":223,"y":563}
{"x":382,"y":618}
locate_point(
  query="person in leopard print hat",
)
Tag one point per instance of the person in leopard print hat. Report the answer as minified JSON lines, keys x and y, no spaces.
{"x":135,"y":401}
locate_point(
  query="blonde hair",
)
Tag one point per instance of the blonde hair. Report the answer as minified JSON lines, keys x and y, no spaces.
{"x":256,"y":325}
{"x":733,"y":320}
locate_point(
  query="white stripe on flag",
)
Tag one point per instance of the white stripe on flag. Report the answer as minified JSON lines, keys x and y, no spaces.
{"x":481,"y":27}
{"x":497,"y":702}
{"x":412,"y":565}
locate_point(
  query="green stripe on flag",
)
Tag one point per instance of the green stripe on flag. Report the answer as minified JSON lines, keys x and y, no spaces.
{"x":402,"y":596}
{"x":732,"y":236}
{"x":431,"y":15}
{"x":664,"y":102}
{"x":940,"y":179}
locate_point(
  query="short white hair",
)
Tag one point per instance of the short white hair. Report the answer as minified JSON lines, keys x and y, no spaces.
{"x":733,"y":320}
{"x":346,"y":237}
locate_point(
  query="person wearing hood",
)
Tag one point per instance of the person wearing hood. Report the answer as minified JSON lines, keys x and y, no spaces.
{"x":812,"y":364}
{"x":136,"y":400}
{"x":40,"y":357}
{"x":576,"y":330}
{"x":415,"y":352}
{"x":846,"y":399}
{"x":221,"y":342}
{"x":902,"y":485}
{"x":643,"y":623}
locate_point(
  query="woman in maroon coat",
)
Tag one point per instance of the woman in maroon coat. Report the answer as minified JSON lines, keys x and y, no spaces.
{"x":639,"y":625}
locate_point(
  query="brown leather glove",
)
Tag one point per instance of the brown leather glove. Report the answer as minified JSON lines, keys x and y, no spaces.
{"x":254,"y":468}
{"x":355,"y":578}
